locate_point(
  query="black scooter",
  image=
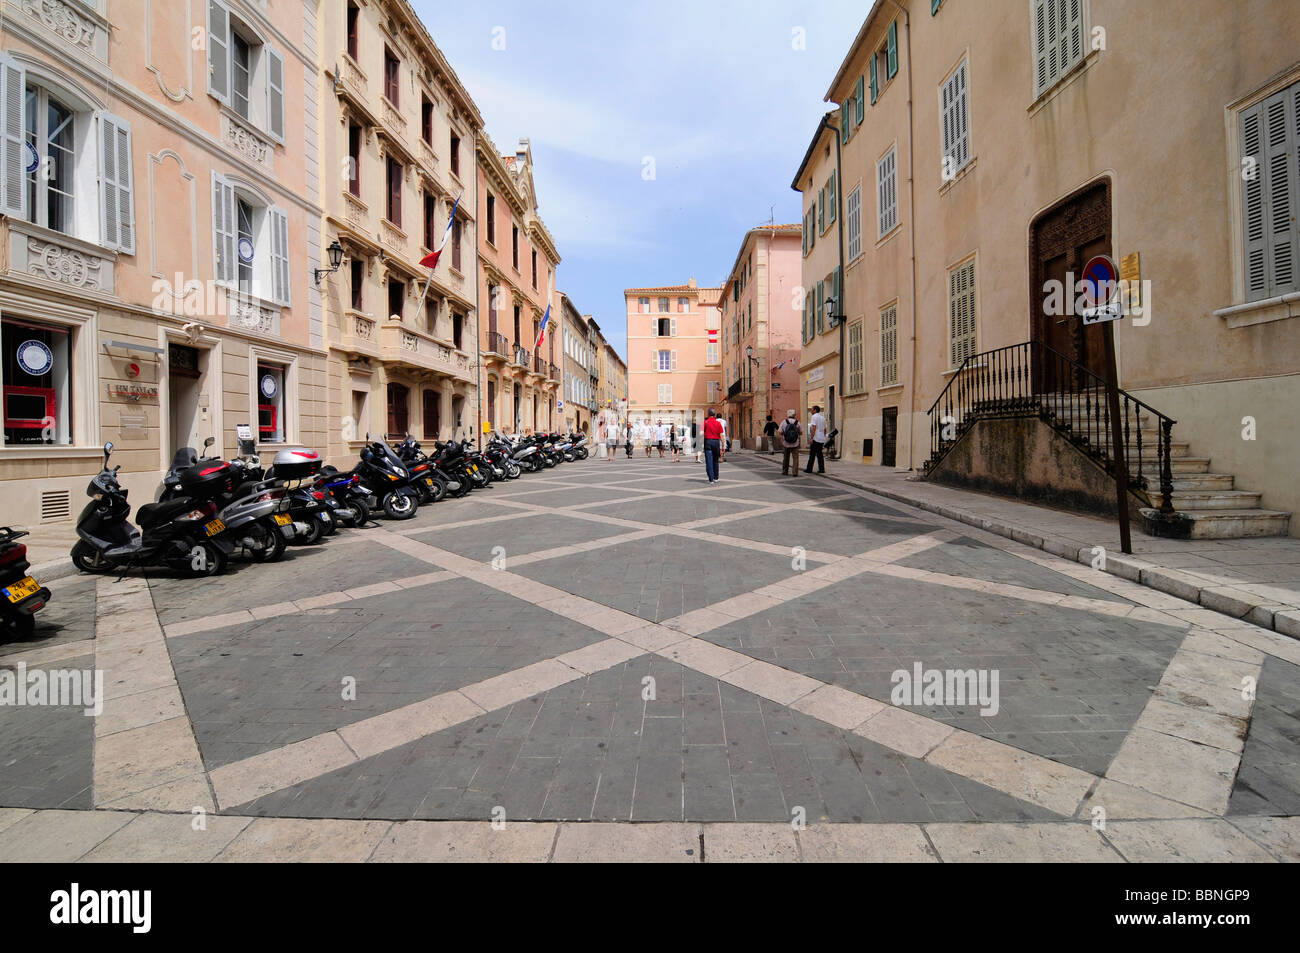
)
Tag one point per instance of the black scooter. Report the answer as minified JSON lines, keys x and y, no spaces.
{"x":382,"y":470}
{"x":181,"y":534}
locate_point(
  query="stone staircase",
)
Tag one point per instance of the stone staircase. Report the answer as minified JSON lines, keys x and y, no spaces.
{"x":1208,"y":504}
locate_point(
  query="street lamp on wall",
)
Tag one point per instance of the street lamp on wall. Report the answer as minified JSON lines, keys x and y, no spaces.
{"x":336,"y":262}
{"x":749,"y":353}
{"x":835,"y":319}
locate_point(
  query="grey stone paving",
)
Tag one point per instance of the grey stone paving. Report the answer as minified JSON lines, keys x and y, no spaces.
{"x":1071,"y":683}
{"x":819,"y":531}
{"x":668,"y":510}
{"x":765,"y":491}
{"x":594,"y":749}
{"x":252,"y":688}
{"x":560,"y":497}
{"x":46,"y":752}
{"x":1268,"y":781}
{"x":660,"y":577}
{"x":964,"y":556}
{"x":518,"y":535}
{"x":308,"y":570}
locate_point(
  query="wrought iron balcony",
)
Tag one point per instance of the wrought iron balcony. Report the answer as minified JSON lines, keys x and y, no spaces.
{"x":521,"y":356}
{"x":497,"y":345}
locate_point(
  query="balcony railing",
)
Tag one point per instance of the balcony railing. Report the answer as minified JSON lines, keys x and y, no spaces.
{"x":539,"y":365}
{"x":554,"y":372}
{"x":497,"y":344}
{"x":521,"y":356}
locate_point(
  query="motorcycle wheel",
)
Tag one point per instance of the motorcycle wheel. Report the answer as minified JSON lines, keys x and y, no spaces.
{"x":273,"y":545}
{"x":328,"y":520}
{"x":548,"y":462}
{"x":212,"y":563}
{"x":399,"y":506}
{"x":513,"y":471}
{"x":360,"y":513}
{"x":582,"y":453}
{"x":88,"y":559}
{"x":22,"y":625}
{"x":315,"y":532}
{"x":439,"y":491}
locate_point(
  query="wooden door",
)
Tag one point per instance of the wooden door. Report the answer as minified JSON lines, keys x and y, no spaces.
{"x":1062,"y":240}
{"x":889,"y":436}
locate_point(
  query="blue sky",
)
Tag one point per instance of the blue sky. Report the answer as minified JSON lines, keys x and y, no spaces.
{"x":713,"y":90}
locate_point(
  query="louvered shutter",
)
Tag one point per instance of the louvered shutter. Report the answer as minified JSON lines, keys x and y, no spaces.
{"x":1253,"y":203}
{"x":961,"y":310}
{"x":821,"y":307}
{"x":934,"y":6}
{"x":219,"y":51}
{"x":836,"y":289}
{"x":844,"y":122}
{"x":673,"y":361}
{"x":832,"y":198}
{"x":889,"y":346}
{"x":875,"y":81}
{"x":955,"y":121}
{"x":858,"y":105}
{"x":223,"y":230}
{"x":892,"y":51}
{"x":1282,"y":182}
{"x":672,"y":327}
{"x":280,"y":283}
{"x":13,"y":149}
{"x":821,"y":210}
{"x":116,"y":205}
{"x":275,"y":94}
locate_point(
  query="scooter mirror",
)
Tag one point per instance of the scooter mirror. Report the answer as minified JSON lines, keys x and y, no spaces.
{"x":209,"y":442}
{"x":108,"y":448}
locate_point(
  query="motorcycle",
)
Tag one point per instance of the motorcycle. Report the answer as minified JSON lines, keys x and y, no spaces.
{"x":381,"y":467}
{"x":23,"y":595}
{"x":183,"y":534}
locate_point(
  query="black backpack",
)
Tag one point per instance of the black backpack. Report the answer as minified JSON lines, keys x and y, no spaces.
{"x":790,"y":431}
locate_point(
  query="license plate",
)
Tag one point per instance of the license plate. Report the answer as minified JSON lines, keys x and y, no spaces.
{"x":283,"y":519}
{"x":22,"y":589}
{"x":474,"y":467}
{"x":214,"y":527}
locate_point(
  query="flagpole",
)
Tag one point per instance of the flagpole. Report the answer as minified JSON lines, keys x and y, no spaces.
{"x":441,"y":245}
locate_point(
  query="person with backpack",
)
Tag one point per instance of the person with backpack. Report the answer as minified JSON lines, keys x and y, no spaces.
{"x":769,"y":435}
{"x":790,"y":434}
{"x":817,"y":440}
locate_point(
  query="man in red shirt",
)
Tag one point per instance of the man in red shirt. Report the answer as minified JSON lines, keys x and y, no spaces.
{"x":712,"y":445}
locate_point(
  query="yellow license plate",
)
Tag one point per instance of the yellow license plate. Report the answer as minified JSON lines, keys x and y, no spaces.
{"x":474,"y":467}
{"x":22,"y":589}
{"x":282,"y":519}
{"x":214,"y":527}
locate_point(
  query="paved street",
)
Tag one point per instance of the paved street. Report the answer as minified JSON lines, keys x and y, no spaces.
{"x":612,"y":643}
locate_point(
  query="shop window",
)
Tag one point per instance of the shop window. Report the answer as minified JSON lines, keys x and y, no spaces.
{"x":270,"y":403}
{"x":35,"y":363}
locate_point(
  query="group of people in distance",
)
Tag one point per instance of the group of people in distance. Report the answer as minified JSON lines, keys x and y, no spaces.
{"x":709,"y":441}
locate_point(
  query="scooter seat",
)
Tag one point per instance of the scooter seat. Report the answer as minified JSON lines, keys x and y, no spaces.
{"x":152,"y":514}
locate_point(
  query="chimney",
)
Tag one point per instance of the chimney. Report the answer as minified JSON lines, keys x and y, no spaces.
{"x":691,"y":283}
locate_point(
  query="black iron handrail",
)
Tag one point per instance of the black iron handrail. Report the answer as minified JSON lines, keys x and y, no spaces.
{"x":1033,"y":380}
{"x":497,"y":343}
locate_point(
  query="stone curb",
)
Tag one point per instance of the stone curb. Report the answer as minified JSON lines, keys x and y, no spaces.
{"x":1234,"y":603}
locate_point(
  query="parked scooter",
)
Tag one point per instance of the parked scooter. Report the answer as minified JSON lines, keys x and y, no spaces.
{"x":183,"y":534}
{"x":22,"y":595}
{"x":382,"y":469}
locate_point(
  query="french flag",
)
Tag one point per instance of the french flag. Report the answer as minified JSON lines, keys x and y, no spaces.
{"x":541,"y":331}
{"x":431,"y":260}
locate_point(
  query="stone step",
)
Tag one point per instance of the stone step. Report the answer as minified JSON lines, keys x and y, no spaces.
{"x":1199,"y":481}
{"x":1177,"y":465}
{"x":1184,"y":500}
{"x":1233,"y":524}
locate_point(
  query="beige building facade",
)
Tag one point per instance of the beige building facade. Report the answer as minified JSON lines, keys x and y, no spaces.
{"x":760,"y":306}
{"x":674,"y":360}
{"x":160,"y":226}
{"x":986,"y":151}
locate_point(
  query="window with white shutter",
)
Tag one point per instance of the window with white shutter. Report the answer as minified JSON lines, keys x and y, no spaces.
{"x":219,"y":50}
{"x":665,"y":360}
{"x":13,"y":153}
{"x":856,"y":382}
{"x":275,"y":95}
{"x":281,"y":285}
{"x":853,"y":215}
{"x":665,"y":393}
{"x":1058,"y":33}
{"x":225,"y":257}
{"x":889,"y":346}
{"x":117,"y":209}
{"x":955,"y":117}
{"x":1270,"y":200}
{"x":961,"y":313}
{"x":887,"y":193}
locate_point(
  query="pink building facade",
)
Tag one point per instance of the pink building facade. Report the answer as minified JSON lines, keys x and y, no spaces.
{"x":674,"y":368}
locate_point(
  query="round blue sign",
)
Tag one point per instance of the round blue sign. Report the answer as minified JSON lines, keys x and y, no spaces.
{"x":33,"y":158}
{"x":35,"y":358}
{"x":269,"y":386}
{"x":246,"y":251}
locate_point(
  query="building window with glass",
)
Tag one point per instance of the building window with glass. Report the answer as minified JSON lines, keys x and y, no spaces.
{"x":270,"y":402}
{"x":35,"y":374}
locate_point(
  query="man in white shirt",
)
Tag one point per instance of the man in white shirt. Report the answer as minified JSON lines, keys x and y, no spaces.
{"x":661,"y":437}
{"x":726,"y":441}
{"x":816,"y":441}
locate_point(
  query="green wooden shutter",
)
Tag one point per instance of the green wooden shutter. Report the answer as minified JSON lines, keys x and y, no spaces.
{"x":858,"y":103}
{"x":893,"y":50}
{"x":934,"y":6}
{"x":832,"y":199}
{"x":821,"y":210}
{"x":875,"y":82}
{"x":844,"y":122}
{"x":804,"y":235}
{"x":838,"y":292}
{"x":821,"y":306}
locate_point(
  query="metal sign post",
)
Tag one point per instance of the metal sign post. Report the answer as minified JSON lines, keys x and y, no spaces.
{"x":1101,"y":286}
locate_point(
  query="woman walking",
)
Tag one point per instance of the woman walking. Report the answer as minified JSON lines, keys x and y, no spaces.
{"x":674,"y":441}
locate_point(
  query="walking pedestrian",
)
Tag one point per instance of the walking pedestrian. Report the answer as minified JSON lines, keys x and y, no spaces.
{"x":647,"y":436}
{"x":790,"y":434}
{"x":696,"y":441}
{"x":817,"y":440}
{"x":611,"y":436}
{"x":712,"y":445}
{"x":627,"y":436}
{"x":726,"y":441}
{"x":769,"y":435}
{"x":674,"y":439}
{"x":661,"y":435}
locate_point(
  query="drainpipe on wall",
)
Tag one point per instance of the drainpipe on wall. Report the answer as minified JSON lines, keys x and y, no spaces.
{"x":478,"y":327}
{"x":911,"y":231}
{"x":839,"y":218}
